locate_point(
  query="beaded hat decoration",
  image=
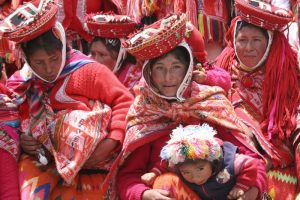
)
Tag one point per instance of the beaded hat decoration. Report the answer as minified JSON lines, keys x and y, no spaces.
{"x":109,"y":25}
{"x":158,"y":38}
{"x":263,"y":14}
{"x":29,"y":21}
{"x":191,"y":143}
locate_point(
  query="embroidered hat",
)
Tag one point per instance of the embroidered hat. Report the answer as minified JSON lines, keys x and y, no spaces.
{"x":263,"y":14}
{"x":158,"y":38}
{"x":192,"y":142}
{"x":29,"y":21}
{"x":109,"y":25}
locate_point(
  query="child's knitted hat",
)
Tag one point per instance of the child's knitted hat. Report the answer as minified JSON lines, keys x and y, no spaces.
{"x":192,"y":142}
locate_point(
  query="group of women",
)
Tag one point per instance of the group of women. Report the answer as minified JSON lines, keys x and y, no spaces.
{"x":88,"y":127}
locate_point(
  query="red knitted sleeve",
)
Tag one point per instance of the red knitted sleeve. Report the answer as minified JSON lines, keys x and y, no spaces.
{"x":250,"y":172}
{"x":9,"y":184}
{"x":97,"y":82}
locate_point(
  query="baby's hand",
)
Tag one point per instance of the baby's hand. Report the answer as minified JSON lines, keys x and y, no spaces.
{"x":235,"y":193}
{"x":250,"y":194}
{"x":148,"y":178}
{"x":199,"y":74}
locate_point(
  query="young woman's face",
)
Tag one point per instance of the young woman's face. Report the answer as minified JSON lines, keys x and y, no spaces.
{"x":167,"y":75}
{"x":251,"y":45}
{"x":197,"y":173}
{"x":101,"y":54}
{"x":46,"y":65}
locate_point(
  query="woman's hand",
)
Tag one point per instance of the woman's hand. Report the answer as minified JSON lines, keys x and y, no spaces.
{"x":148,"y":178}
{"x":102,"y":151}
{"x":156,"y":194}
{"x":29,"y":144}
{"x":235,"y":193}
{"x":250,"y":194}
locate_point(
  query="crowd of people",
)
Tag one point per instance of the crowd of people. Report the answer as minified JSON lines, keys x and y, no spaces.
{"x":145,"y":100}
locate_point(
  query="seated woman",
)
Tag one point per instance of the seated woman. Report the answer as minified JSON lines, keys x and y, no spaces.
{"x":9,"y":144}
{"x":165,"y":98}
{"x":265,"y":88}
{"x":72,"y":111}
{"x":109,"y":31}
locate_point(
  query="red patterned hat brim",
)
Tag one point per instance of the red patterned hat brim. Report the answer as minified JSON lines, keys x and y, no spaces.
{"x":159,"y":42}
{"x":263,"y":14}
{"x":119,"y":27}
{"x":39,"y":24}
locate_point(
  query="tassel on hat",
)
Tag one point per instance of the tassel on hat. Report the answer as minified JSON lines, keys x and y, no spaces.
{"x":195,"y":40}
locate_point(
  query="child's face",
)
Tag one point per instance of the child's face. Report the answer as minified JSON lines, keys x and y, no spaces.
{"x":198,"y":172}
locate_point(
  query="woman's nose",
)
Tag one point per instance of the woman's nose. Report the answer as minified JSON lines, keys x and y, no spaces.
{"x":168,"y":75}
{"x":49,"y":68}
{"x":249,"y":46}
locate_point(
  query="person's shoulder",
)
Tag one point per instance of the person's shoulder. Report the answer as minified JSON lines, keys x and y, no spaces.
{"x":96,"y":67}
{"x":93,"y":74}
{"x":92,"y":68}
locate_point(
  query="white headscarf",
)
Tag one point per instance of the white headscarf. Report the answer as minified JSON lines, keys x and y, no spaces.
{"x":60,"y":30}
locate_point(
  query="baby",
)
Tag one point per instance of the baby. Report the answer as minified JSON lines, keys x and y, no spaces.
{"x":212,"y":168}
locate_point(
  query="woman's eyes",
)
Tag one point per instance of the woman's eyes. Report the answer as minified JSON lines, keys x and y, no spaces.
{"x":242,"y":40}
{"x":158,"y":67}
{"x":54,"y":59}
{"x":178,"y":67}
{"x":38,"y":63}
{"x":97,"y":54}
{"x":175,"y":67}
{"x":257,"y":40}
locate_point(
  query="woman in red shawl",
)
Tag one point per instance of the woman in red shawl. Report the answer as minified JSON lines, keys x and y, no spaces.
{"x":72,"y":13}
{"x":72,"y":110}
{"x":109,"y":31}
{"x":164,"y":98}
{"x":265,"y":88}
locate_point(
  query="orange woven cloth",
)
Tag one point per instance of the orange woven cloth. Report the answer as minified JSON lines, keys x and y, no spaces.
{"x":40,"y":182}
